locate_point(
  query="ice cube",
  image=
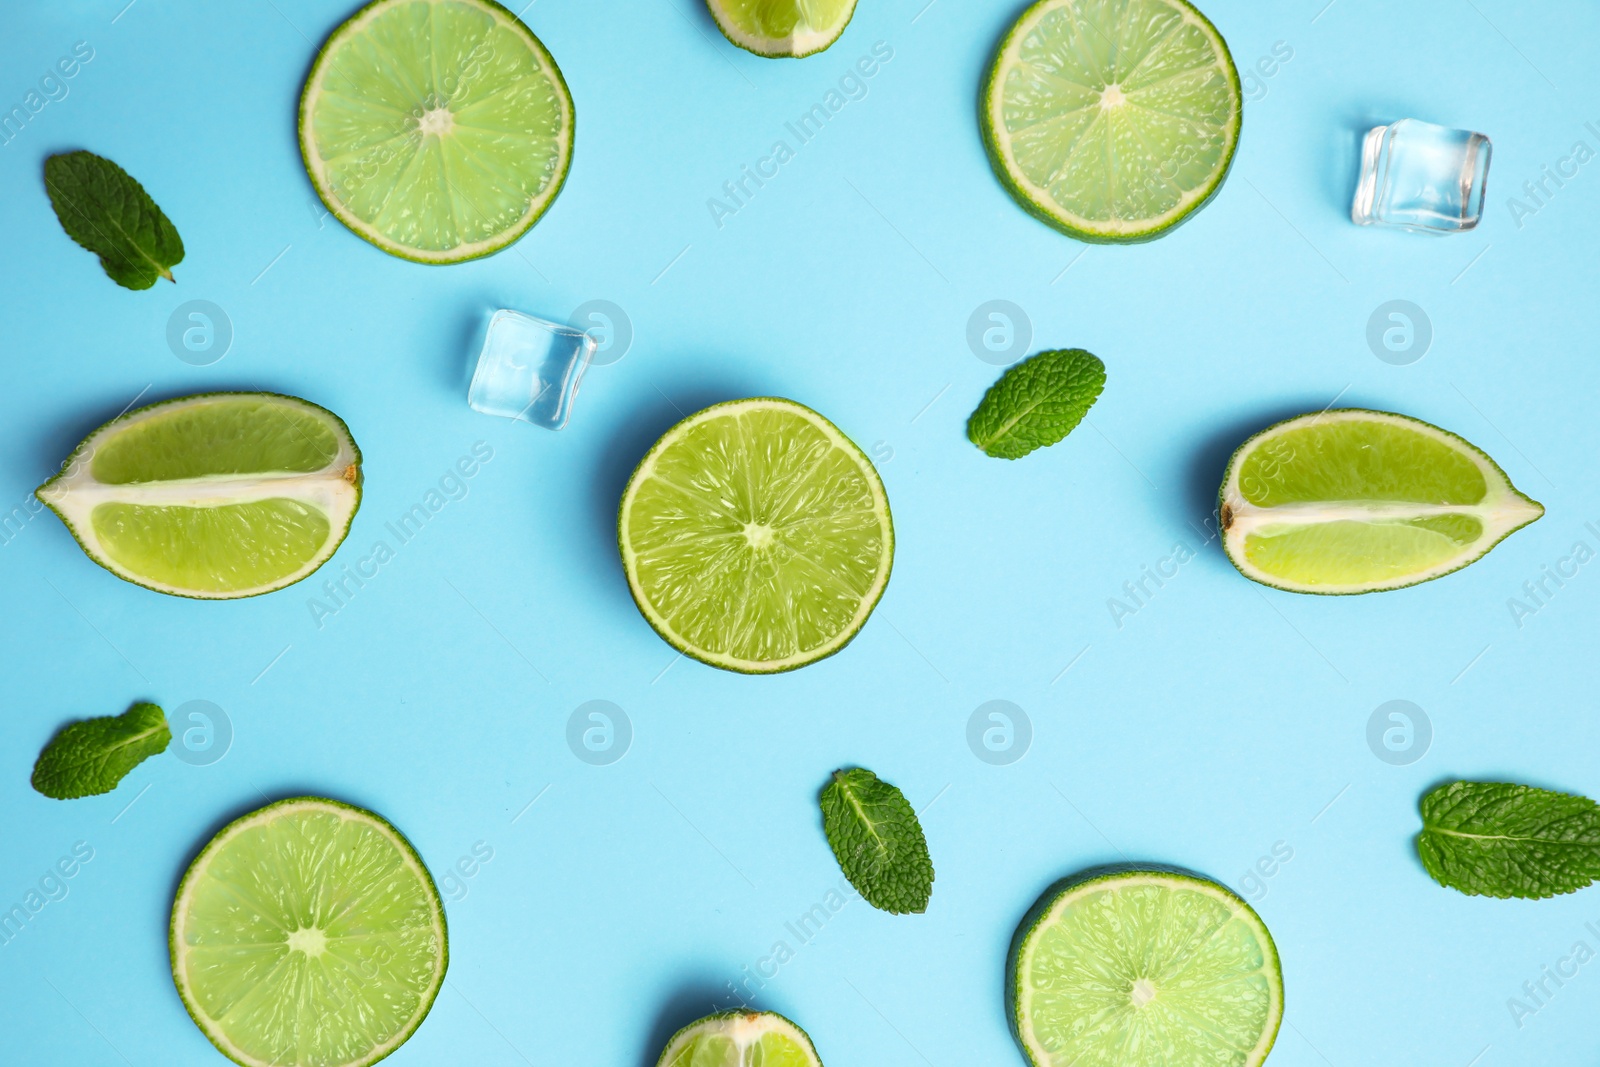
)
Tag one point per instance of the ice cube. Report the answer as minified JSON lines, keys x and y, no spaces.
{"x":1422,"y":177}
{"x":529,"y":369}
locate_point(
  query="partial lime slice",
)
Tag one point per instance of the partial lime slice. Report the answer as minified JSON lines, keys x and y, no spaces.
{"x":439,"y":130}
{"x":215,"y":496}
{"x":1144,"y":968}
{"x":756,"y":536}
{"x":740,"y":1039}
{"x":1356,"y":501}
{"x":1112,"y":120}
{"x":782,"y":28}
{"x":308,"y":934}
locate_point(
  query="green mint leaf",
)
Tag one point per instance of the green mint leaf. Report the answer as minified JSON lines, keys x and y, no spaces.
{"x":90,"y":757}
{"x":1036,"y":402}
{"x":1496,"y":839}
{"x":878,"y":841}
{"x":103,"y":209}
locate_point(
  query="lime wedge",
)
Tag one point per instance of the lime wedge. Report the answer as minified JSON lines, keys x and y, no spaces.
{"x":308,"y":934}
{"x":782,"y":28}
{"x":756,"y":536}
{"x":215,"y":496}
{"x":1355,"y":501}
{"x":439,"y":130}
{"x":1112,"y":120}
{"x":740,"y":1039}
{"x":1144,"y":968}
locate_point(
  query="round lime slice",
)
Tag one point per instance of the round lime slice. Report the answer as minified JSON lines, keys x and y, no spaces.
{"x":1144,"y":968}
{"x":1356,"y":501}
{"x":782,"y":28}
{"x":308,"y":934}
{"x":740,"y":1039}
{"x":756,"y":537}
{"x":215,"y":496}
{"x":439,"y":130}
{"x":1112,"y":120}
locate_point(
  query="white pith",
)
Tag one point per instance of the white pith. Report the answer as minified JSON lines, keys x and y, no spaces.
{"x":869,"y":599}
{"x":1113,"y":98}
{"x":75,"y":495}
{"x":1502,"y":511}
{"x":196,"y":874}
{"x":744,"y":1030}
{"x":1041,"y":1057}
{"x":803,"y":42}
{"x":439,"y":125}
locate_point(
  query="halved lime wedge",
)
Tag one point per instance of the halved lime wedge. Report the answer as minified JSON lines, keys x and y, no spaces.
{"x":782,"y":28}
{"x":1356,"y":501}
{"x":215,"y":496}
{"x":1144,"y":968}
{"x":1112,"y":120}
{"x":740,"y":1039}
{"x":439,"y":130}
{"x":756,"y":536}
{"x":308,"y":934}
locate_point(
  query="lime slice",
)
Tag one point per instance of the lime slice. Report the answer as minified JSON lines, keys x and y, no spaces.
{"x":756,"y":536}
{"x":1112,"y":120}
{"x":740,"y":1039}
{"x":216,"y":496}
{"x":782,"y":28}
{"x":1355,"y":501}
{"x":439,"y":130}
{"x":1144,"y":968}
{"x":308,"y":934}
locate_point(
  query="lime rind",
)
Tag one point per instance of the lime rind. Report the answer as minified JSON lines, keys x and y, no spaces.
{"x":189,"y":881}
{"x":73,"y":493}
{"x":799,"y":45}
{"x":868,"y":602}
{"x":1503,"y":510}
{"x":1064,"y":891}
{"x":744,"y":1029}
{"x":1039,"y":202}
{"x":537,"y":206}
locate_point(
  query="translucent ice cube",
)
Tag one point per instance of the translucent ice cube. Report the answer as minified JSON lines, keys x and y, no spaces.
{"x":1422,"y":177}
{"x":529,"y":369}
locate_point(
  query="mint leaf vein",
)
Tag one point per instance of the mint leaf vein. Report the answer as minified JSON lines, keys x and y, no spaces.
{"x":90,"y":757}
{"x":1037,"y":402}
{"x":875,"y":836}
{"x":1499,"y":839}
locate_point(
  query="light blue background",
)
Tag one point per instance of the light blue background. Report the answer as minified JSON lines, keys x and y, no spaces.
{"x":1220,"y":719}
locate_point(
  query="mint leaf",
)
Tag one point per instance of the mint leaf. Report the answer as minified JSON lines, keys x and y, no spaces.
{"x":103,"y":209}
{"x":90,"y":757}
{"x":1496,"y":839}
{"x":877,"y":840}
{"x":1036,"y":402}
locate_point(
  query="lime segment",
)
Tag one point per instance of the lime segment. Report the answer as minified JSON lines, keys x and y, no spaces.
{"x":1112,"y":120}
{"x":776,"y":28}
{"x":756,"y":537}
{"x":1145,"y":968}
{"x":740,"y":1039}
{"x":439,"y":130}
{"x":1356,"y":501}
{"x":308,"y":934}
{"x":215,"y":496}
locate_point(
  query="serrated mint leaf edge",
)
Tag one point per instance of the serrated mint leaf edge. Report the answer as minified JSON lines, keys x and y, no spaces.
{"x":114,"y":172}
{"x":994,"y":396}
{"x":97,"y":770}
{"x":1434,"y":851}
{"x":917,"y":874}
